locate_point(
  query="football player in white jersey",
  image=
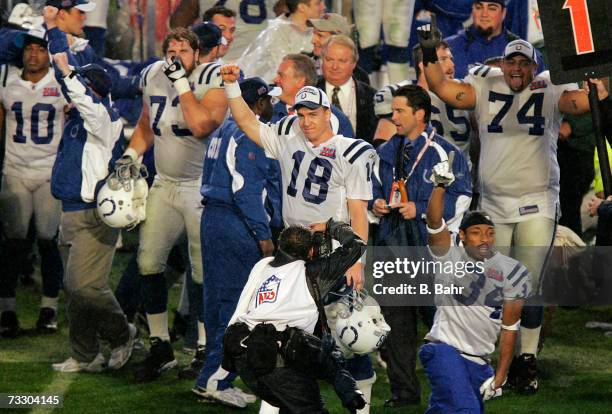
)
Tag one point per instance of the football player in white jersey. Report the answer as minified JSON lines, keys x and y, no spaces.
{"x":324,"y":175}
{"x":32,"y":108}
{"x":519,"y":115}
{"x":183,"y":102}
{"x":468,"y":322}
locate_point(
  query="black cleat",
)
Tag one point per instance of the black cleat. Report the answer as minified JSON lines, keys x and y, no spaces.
{"x":523,"y":375}
{"x":160,"y":358}
{"x":47,"y":321}
{"x":9,"y":325}
{"x":527,"y":381}
{"x":192,"y":371}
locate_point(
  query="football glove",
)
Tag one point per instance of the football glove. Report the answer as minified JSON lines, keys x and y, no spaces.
{"x":175,"y":72}
{"x":429,"y":39}
{"x":488,"y":390}
{"x":442,"y":174}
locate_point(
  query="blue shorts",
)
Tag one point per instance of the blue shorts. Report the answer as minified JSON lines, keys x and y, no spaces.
{"x":455,"y":381}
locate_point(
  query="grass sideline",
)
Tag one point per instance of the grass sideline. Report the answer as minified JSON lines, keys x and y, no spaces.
{"x":576,"y":368}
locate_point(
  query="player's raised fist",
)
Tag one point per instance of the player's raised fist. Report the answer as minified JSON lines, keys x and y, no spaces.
{"x":230,"y":73}
{"x":429,"y":35}
{"x":49,"y":15}
{"x":174,"y":69}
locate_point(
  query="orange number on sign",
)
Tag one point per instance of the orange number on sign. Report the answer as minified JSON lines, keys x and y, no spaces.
{"x":581,"y":25}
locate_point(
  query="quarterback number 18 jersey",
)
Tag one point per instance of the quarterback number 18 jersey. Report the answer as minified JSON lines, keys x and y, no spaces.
{"x":318,"y":180}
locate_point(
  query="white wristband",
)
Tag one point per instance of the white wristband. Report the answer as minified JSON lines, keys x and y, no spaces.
{"x":232,"y":90}
{"x":513,"y":327}
{"x":438,"y":230}
{"x":182,"y":86}
{"x":131,"y":152}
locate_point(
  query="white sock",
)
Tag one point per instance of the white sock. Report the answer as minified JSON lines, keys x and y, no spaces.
{"x":9,"y":304}
{"x":398,"y":72}
{"x":158,"y":325}
{"x":201,"y":334}
{"x":47,"y":302}
{"x":529,"y":340}
{"x":267,"y":408}
{"x":365,"y":386}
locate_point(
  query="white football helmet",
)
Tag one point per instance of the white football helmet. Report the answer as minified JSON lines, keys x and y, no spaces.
{"x":121,"y":201}
{"x":358,"y":324}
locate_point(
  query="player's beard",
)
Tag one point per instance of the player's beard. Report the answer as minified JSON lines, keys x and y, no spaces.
{"x":484,"y":32}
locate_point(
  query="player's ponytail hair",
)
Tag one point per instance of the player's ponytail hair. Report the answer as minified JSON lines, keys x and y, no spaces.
{"x":296,"y":241}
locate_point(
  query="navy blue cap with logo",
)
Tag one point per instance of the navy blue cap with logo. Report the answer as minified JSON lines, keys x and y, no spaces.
{"x":209,"y":35}
{"x":256,"y":88}
{"x":500,"y":2}
{"x":83,"y":5}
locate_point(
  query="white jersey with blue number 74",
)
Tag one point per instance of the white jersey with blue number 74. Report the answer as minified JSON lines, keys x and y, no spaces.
{"x":518,"y":169}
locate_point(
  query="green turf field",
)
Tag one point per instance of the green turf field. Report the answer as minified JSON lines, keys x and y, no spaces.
{"x":576,"y":368}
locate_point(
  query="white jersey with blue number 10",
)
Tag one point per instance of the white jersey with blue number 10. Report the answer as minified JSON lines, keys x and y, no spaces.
{"x":453,"y":124}
{"x":178,"y":154}
{"x":251,"y":18}
{"x":317,"y":181}
{"x":518,"y":169}
{"x":34,"y":118}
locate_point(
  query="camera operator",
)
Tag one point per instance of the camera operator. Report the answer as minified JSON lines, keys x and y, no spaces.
{"x":270,"y":341}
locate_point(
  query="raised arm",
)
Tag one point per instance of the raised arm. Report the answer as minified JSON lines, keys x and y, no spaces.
{"x":438,"y":237}
{"x":202,"y":117}
{"x":245,"y":118}
{"x":457,"y":94}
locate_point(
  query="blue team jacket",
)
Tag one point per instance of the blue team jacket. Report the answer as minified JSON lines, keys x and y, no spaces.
{"x":101,"y":118}
{"x":419,"y":187}
{"x":469,"y":48}
{"x":235,"y":175}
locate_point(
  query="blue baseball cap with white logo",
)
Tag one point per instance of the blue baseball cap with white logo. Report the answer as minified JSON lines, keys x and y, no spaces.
{"x":83,"y":5}
{"x":311,"y":97}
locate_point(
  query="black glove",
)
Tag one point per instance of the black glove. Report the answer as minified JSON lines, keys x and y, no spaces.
{"x":429,"y":39}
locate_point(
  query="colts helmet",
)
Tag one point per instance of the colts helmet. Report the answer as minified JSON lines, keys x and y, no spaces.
{"x":359,"y":327}
{"x":122,"y":199}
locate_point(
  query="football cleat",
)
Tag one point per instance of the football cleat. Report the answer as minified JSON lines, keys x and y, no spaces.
{"x":226,"y":397}
{"x":523,"y":375}
{"x":72,"y":365}
{"x":9,"y":325}
{"x":192,"y":371}
{"x":119,"y":356}
{"x":47,"y":321}
{"x":160,"y":359}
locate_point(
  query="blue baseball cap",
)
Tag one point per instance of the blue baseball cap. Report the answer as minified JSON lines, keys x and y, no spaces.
{"x":209,"y":35}
{"x":97,"y":78}
{"x":83,"y":5}
{"x":255,"y":88}
{"x":34,"y":35}
{"x":500,"y":2}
